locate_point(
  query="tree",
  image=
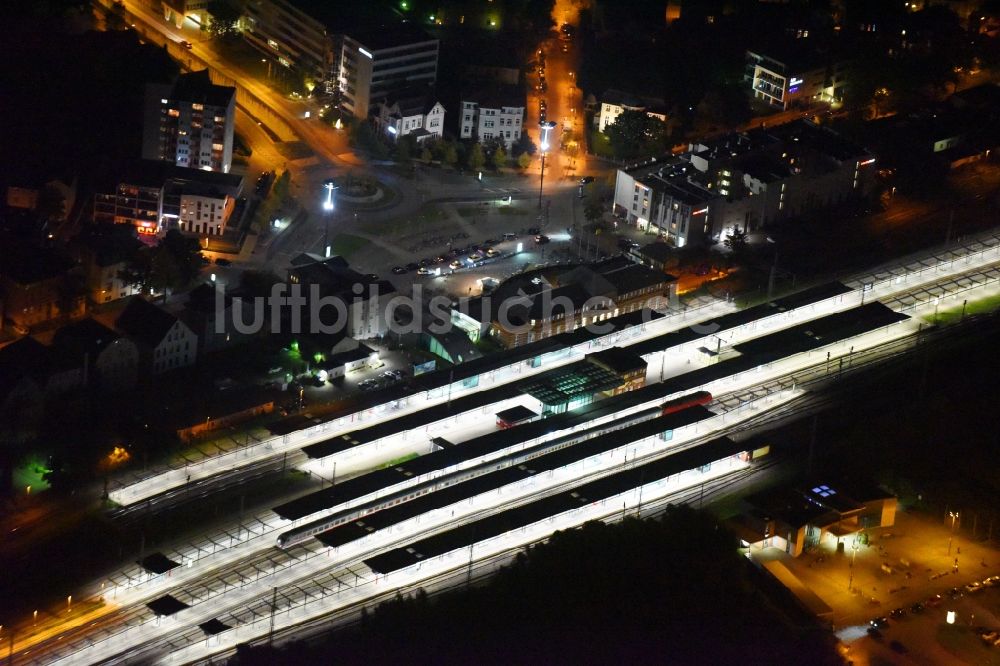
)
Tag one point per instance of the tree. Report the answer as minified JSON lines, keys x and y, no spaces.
{"x":224,"y":22}
{"x":173,"y":264}
{"x":524,"y":160}
{"x":476,"y":159}
{"x":736,"y":241}
{"x":593,"y":207}
{"x":404,"y":149}
{"x":449,"y":154}
{"x":499,"y":158}
{"x":524,"y":144}
{"x":426,"y":155}
{"x":280,"y":189}
{"x":635,"y":134}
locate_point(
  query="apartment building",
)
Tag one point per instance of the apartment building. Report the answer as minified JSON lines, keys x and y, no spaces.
{"x":294,"y":36}
{"x":795,"y":77}
{"x":155,"y":197}
{"x":33,"y":285}
{"x":613,"y":103}
{"x":365,"y":57}
{"x":496,"y":112}
{"x":745,"y":180}
{"x":102,"y":253}
{"x":190,"y":124}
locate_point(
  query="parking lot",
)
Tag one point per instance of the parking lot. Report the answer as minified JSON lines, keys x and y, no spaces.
{"x":918,"y":568}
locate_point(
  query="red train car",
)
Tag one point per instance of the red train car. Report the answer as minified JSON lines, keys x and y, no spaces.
{"x":685,"y":401}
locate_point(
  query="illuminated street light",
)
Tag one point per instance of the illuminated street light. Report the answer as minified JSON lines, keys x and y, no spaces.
{"x":546,"y":128}
{"x":328,"y":209}
{"x":954,"y":515}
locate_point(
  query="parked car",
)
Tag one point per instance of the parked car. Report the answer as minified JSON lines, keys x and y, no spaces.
{"x":897,"y":613}
{"x":879,"y":622}
{"x":917,"y":608}
{"x":934,"y":601}
{"x":491,"y":252}
{"x":455,"y":265}
{"x":412,"y":266}
{"x":424,"y":270}
{"x":426,"y":262}
{"x":398,"y":270}
{"x":541,"y":239}
{"x":475,"y":257}
{"x":974,"y":586}
{"x":586,"y":180}
{"x":509,"y":236}
{"x":185,"y":43}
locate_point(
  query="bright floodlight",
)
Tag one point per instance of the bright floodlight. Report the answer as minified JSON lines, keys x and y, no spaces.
{"x":328,"y":204}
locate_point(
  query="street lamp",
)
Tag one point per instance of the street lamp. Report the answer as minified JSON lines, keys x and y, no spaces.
{"x":328,"y":211}
{"x":954,"y":515}
{"x":546,"y":127}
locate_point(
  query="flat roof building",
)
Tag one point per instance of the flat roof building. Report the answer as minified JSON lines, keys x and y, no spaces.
{"x":743,"y":180}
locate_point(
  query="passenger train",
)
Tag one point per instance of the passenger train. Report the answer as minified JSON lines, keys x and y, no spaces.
{"x":304,"y":533}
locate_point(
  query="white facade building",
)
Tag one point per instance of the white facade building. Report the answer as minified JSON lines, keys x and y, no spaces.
{"x":496,"y":113}
{"x":164,"y":341}
{"x":797,"y":78}
{"x":615,"y":102}
{"x":419,"y":116}
{"x":204,"y":215}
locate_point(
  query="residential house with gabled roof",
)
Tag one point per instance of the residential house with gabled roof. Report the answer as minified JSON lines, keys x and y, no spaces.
{"x":164,"y":341}
{"x":412,"y":112}
{"x":108,"y":360}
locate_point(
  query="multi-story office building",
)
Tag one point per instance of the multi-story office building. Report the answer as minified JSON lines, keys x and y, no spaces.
{"x":743,"y":181}
{"x":367,"y":60}
{"x":373,"y":63}
{"x":156,"y":197}
{"x":291,"y":35}
{"x":795,"y":77}
{"x":190,"y":123}
{"x":493,"y":113}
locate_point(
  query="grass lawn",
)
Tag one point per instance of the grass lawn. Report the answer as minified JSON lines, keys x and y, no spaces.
{"x":347,"y":244}
{"x":952,"y":315}
{"x":429,"y":213}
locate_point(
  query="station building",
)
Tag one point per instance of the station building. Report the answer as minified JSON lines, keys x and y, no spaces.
{"x":797,"y":519}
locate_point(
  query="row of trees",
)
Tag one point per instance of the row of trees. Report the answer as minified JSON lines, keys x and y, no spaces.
{"x":273,"y":202}
{"x":474,"y":156}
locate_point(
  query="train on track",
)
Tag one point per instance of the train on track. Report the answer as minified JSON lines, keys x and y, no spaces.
{"x":305,"y":532}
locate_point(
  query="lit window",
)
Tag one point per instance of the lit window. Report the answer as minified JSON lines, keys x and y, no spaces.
{"x":197,"y":107}
{"x":173,"y":113}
